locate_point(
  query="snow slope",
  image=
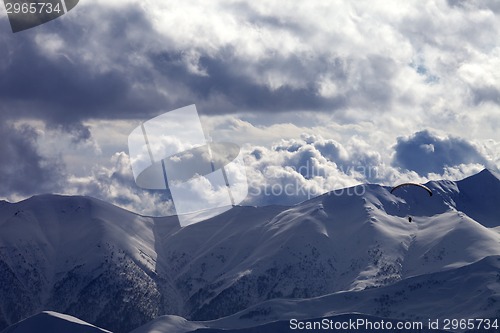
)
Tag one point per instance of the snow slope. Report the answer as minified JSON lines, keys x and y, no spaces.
{"x":79,"y":256}
{"x":53,"y":322}
{"x":119,"y":270}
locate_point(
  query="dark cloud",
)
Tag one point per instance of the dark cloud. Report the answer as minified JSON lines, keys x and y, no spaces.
{"x":237,"y":90}
{"x":248,"y":13}
{"x":494,"y":6}
{"x":107,"y":70}
{"x":23,"y":170}
{"x":66,"y":88}
{"x":116,"y":65}
{"x":55,"y":89}
{"x":426,"y":153}
{"x":486,"y":94}
{"x":78,"y":131}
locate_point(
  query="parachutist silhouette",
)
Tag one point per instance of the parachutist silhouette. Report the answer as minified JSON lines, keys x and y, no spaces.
{"x":412,"y":184}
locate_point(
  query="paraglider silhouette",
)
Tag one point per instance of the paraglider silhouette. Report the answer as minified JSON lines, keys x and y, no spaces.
{"x":412,"y":184}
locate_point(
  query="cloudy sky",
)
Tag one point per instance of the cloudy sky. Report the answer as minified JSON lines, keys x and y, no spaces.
{"x":319,"y":94}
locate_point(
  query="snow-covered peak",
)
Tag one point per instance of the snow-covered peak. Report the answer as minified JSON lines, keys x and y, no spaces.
{"x":74,"y":226}
{"x":485,"y":175}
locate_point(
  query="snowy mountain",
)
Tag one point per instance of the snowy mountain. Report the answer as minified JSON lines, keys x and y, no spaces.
{"x":337,"y":253}
{"x":53,"y":322}
{"x":78,"y":256}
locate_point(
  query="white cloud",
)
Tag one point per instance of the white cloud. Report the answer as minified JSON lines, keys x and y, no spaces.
{"x":115,"y":184}
{"x":298,"y":169}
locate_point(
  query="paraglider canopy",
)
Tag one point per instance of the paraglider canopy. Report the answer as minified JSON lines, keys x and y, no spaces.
{"x":413,"y":184}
